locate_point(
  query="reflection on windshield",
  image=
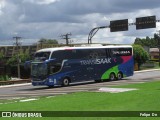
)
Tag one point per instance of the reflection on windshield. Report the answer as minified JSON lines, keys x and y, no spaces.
{"x":39,"y":69}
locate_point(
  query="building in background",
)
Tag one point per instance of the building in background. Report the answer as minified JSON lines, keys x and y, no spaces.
{"x":154,"y":54}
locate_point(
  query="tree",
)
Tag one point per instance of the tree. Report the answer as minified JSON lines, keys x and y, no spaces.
{"x":150,"y":42}
{"x":23,"y":57}
{"x":2,"y":59}
{"x":48,"y":41}
{"x":4,"y":71}
{"x":140,"y":55}
{"x":1,"y":56}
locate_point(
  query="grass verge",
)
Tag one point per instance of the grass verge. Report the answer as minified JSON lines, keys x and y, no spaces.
{"x":146,"y":98}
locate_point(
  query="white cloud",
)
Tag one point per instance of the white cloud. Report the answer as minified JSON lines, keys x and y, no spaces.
{"x":2,"y":5}
{"x":41,"y":1}
{"x":35,"y":19}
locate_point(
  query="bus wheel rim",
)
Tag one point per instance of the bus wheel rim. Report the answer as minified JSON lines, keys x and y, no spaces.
{"x":65,"y":81}
{"x":119,"y":76}
{"x":112,"y":76}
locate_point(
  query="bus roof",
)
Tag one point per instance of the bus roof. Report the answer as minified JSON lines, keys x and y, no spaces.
{"x":74,"y":48}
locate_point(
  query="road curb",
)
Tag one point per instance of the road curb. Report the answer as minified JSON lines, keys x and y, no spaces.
{"x":146,"y":70}
{"x":14,"y":85}
{"x":11,"y":82}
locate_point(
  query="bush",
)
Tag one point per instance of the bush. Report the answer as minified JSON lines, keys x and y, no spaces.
{"x":4,"y":78}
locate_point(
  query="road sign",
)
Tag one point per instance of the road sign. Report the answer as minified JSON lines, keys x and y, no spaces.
{"x":146,"y":22}
{"x":119,"y":25}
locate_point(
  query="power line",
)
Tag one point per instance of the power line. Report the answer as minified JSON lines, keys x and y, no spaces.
{"x":66,"y":37}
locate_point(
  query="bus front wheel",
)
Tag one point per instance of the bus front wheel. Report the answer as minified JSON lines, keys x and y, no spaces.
{"x":65,"y":82}
{"x":112,"y":77}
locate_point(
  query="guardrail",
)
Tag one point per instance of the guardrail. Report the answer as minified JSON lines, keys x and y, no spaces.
{"x":15,"y":82}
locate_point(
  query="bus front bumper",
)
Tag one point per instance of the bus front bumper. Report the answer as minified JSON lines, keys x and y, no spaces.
{"x":46,"y":82}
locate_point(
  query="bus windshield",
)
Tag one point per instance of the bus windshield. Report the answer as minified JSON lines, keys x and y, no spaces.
{"x":39,"y":69}
{"x":42,"y":55}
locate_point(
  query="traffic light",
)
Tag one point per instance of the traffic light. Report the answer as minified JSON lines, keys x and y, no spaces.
{"x":146,"y":22}
{"x":119,"y":25}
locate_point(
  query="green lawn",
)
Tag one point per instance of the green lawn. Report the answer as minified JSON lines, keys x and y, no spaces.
{"x":146,"y":98}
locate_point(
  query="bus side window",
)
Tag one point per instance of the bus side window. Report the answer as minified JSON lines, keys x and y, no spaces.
{"x":94,"y":54}
{"x":101,"y":53}
{"x":90,"y":54}
{"x":108,"y":52}
{"x":69,"y":54}
{"x":112,"y":51}
{"x":55,"y":66}
{"x":82,"y":54}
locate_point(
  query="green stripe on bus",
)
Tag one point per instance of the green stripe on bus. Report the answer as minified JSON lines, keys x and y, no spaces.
{"x":107,"y":73}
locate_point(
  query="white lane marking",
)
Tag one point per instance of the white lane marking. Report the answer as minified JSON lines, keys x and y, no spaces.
{"x":27,"y":100}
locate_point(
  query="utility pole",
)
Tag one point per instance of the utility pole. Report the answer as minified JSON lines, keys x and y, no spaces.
{"x":65,"y":36}
{"x":41,"y":43}
{"x":159,"y":45}
{"x":17,"y":43}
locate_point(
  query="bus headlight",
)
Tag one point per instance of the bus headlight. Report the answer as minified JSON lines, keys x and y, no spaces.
{"x":50,"y":80}
{"x":55,"y":81}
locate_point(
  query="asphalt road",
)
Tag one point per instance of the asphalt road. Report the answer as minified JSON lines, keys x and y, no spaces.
{"x":27,"y":90}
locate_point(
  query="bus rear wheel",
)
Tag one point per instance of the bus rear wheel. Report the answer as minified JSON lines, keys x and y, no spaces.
{"x":119,"y":76}
{"x":112,"y":77}
{"x":65,"y":82}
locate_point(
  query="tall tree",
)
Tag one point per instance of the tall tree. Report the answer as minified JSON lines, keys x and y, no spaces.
{"x":140,"y":55}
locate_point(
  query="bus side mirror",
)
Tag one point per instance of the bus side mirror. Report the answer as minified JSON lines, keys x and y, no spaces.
{"x":27,"y":65}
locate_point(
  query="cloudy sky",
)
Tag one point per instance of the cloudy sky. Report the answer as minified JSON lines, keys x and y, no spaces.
{"x":35,"y":19}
